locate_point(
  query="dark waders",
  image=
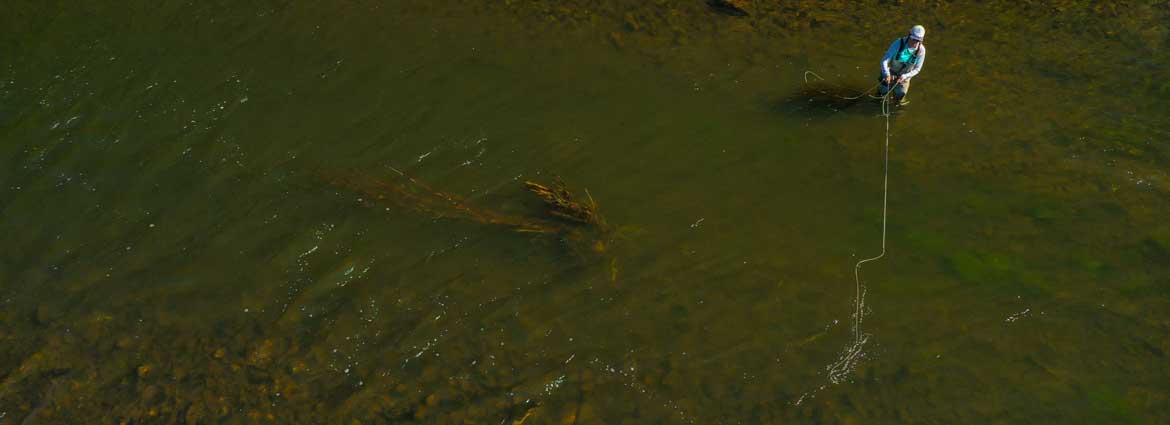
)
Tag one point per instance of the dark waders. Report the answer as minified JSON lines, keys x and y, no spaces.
{"x":900,"y":89}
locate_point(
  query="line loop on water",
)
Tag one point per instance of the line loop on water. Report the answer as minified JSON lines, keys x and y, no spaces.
{"x":847,"y":360}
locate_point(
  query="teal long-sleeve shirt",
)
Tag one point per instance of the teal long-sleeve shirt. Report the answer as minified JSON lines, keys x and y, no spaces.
{"x":892,"y":53}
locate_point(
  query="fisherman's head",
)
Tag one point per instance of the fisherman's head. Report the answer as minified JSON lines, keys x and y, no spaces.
{"x":917,"y":33}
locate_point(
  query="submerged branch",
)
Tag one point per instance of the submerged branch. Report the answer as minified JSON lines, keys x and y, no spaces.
{"x":567,"y":215}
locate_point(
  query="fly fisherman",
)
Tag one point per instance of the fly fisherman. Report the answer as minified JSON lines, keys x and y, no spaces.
{"x":903,"y":60}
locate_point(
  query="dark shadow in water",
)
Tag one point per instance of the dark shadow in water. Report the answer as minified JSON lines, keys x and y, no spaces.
{"x":821,"y":99}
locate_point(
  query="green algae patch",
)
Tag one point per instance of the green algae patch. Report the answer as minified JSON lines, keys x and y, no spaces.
{"x":994,"y":270}
{"x":1108,"y":406}
{"x":979,"y":268}
{"x":1157,"y":245}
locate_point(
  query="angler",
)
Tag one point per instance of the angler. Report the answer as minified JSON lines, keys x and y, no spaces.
{"x":903,"y":60}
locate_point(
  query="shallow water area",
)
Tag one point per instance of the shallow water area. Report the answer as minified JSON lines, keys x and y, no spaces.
{"x":178,"y":247}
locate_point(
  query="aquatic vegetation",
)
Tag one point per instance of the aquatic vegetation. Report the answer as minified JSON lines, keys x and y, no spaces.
{"x":412,"y":194}
{"x":997,"y":271}
{"x":577,"y":221}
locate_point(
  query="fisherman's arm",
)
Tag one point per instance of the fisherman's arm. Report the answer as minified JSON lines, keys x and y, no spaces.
{"x":890,"y":53}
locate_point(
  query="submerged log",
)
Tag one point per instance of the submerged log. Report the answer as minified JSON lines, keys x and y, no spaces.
{"x":567,"y":214}
{"x":728,"y":7}
{"x":562,"y":204}
{"x":414,"y":195}
{"x":575,"y":222}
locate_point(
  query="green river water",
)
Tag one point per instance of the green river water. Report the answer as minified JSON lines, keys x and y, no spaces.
{"x":179,"y":244}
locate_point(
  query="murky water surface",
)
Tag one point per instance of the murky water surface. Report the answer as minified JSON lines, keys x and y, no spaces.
{"x":270,"y":212}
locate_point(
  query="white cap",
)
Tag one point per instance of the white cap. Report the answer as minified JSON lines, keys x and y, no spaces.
{"x":917,"y":32}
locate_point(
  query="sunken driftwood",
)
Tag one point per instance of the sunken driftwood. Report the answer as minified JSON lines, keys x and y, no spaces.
{"x":564,"y":212}
{"x":561,"y":203}
{"x":728,"y":7}
{"x":575,"y":221}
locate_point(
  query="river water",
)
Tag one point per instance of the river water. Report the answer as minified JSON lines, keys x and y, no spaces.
{"x":271,"y":212}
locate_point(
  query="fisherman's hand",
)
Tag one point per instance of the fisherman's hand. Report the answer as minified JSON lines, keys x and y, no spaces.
{"x":901,"y":78}
{"x":888,"y":78}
